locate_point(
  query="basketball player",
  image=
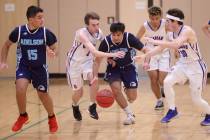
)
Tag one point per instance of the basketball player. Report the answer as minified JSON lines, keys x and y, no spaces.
{"x":206,"y":29}
{"x":32,"y":39}
{"x":190,"y":65}
{"x":159,"y":64}
{"x":121,"y":69}
{"x":79,"y":62}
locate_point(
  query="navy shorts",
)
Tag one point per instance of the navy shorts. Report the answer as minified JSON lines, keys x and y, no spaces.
{"x":126,"y":74}
{"x":37,"y":75}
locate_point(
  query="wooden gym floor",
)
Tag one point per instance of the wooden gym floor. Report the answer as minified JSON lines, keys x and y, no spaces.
{"x":109,"y":126}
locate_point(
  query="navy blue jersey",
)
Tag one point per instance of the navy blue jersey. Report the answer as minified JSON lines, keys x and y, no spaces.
{"x":31,"y":50}
{"x":128,"y":43}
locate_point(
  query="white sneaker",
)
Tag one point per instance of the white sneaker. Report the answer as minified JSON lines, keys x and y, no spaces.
{"x":129,"y":120}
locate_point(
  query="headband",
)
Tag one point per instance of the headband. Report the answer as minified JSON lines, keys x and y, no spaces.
{"x":174,"y":18}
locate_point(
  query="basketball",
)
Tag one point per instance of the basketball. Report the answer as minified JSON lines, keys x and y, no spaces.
{"x":105,"y":98}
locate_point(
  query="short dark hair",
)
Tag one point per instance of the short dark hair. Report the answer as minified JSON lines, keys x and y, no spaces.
{"x":155,"y":11}
{"x":32,"y":11}
{"x":117,"y":26}
{"x":91,"y":15}
{"x":177,"y":13}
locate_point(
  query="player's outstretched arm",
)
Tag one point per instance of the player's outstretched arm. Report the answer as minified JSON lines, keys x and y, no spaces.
{"x":175,"y":44}
{"x":4,"y":54}
{"x":94,"y":51}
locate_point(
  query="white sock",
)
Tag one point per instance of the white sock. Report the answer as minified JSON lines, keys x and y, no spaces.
{"x":160,"y":99}
{"x":91,"y":103}
{"x":128,"y":111}
{"x":74,"y":104}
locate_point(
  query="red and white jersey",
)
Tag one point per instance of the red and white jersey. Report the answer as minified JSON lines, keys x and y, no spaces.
{"x":189,"y":52}
{"x":159,"y":34}
{"x":78,"y":51}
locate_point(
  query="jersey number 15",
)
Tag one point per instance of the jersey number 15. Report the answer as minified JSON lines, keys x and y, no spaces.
{"x":32,"y":54}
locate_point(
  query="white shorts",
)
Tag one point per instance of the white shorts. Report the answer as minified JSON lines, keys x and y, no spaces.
{"x":195,"y":72}
{"x":159,"y":63}
{"x":77,"y":72}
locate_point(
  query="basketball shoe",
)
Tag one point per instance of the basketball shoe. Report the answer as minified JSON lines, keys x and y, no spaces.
{"x":20,"y":122}
{"x":170,"y":115}
{"x":92,"y":111}
{"x":76,"y":112}
{"x":206,"y":121}
{"x":53,"y":126}
{"x":129,"y":120}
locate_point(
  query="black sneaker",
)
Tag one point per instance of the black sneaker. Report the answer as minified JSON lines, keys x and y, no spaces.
{"x":162,"y":92}
{"x":159,"y":105}
{"x":76,"y":112}
{"x":92,"y":111}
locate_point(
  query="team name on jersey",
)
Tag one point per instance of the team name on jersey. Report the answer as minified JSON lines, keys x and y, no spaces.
{"x":32,"y":42}
{"x":184,"y":47}
{"x":157,"y":37}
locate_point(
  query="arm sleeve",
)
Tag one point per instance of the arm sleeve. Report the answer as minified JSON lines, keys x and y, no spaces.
{"x":134,"y":42}
{"x":50,"y":38}
{"x":13,"y":36}
{"x":103,"y":46}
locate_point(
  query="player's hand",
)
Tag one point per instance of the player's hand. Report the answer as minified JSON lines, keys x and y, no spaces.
{"x":50,"y":53}
{"x":95,"y":79}
{"x":111,"y":62}
{"x":119,"y":54}
{"x":139,"y":58}
{"x":149,"y":40}
{"x":146,"y":66}
{"x":3,"y":66}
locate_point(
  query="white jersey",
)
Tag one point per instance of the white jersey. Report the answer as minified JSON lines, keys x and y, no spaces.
{"x":189,"y":52}
{"x":159,"y":34}
{"x":78,"y":52}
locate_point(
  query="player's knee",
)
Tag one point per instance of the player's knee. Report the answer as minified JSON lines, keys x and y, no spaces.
{"x":168,"y":82}
{"x":20,"y":89}
{"x":154,"y":81}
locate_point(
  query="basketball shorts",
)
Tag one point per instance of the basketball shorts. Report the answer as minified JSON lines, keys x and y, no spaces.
{"x":127,"y":74}
{"x":77,"y":72}
{"x":159,"y":63}
{"x":195,"y":72}
{"x":39,"y":76}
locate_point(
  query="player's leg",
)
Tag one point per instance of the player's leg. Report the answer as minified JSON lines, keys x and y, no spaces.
{"x":22,"y":76}
{"x":75,"y":81}
{"x":196,"y":86}
{"x":40,"y":81}
{"x":120,"y":99}
{"x":129,"y":77}
{"x":176,"y":76}
{"x":164,"y":68}
{"x":88,"y":75}
{"x":154,"y":81}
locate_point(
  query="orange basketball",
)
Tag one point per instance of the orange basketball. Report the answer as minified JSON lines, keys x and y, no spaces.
{"x":105,"y":98}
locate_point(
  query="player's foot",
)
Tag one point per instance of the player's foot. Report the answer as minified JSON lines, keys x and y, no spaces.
{"x":53,"y":126}
{"x":162,"y":92}
{"x":159,"y":105}
{"x":129,"y":120}
{"x":20,"y":122}
{"x":206,"y":121}
{"x":76,"y":112}
{"x":92,"y":111}
{"x":170,"y":115}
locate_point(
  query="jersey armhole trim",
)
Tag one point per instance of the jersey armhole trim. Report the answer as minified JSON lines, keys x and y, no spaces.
{"x":127,"y":40}
{"x":19,"y":30}
{"x":107,"y":44}
{"x":45,"y":38}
